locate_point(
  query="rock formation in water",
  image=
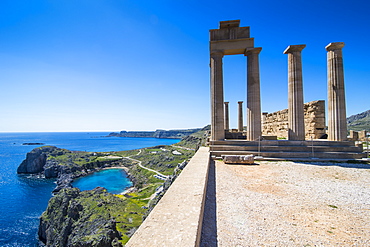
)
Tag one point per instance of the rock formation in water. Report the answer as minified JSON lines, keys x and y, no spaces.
{"x":35,"y":160}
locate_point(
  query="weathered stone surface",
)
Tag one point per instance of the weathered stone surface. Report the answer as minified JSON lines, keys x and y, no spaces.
{"x":238,"y":159}
{"x":240,"y":116}
{"x":295,"y":93}
{"x":276,"y":123}
{"x":230,"y":39}
{"x":337,"y":124}
{"x":217,"y":97}
{"x":253,"y":94}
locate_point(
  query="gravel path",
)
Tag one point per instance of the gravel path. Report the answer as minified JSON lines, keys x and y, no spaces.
{"x":144,"y":167}
{"x":287,"y":204}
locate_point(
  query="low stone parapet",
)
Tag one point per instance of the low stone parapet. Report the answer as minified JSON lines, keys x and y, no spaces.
{"x":177,"y":219}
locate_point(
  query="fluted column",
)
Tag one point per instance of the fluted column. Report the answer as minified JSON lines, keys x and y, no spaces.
{"x":253,"y":94}
{"x":217,"y":97}
{"x":295,"y":93}
{"x":227,"y":125}
{"x":240,"y":116}
{"x":337,"y":125}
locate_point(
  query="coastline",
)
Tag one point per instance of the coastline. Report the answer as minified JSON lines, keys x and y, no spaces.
{"x":30,"y":192}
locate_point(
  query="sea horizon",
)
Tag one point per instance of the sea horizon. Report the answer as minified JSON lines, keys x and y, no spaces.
{"x":23,"y":197}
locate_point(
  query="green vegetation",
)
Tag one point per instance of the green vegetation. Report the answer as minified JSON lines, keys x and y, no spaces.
{"x":128,"y":210}
{"x":196,"y":139}
{"x":88,"y":216}
{"x":98,"y":218}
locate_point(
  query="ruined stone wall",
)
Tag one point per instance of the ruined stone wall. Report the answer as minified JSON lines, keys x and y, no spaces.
{"x":276,"y":123}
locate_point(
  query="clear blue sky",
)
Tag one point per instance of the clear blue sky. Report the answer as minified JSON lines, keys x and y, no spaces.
{"x":91,"y":65}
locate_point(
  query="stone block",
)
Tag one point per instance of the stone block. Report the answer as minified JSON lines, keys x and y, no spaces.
{"x":238,"y":159}
{"x":353,"y":135}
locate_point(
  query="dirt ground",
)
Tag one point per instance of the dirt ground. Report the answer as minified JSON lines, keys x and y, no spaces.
{"x":287,"y":204}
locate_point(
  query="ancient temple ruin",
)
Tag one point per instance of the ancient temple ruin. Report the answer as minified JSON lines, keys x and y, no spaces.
{"x":231,"y":39}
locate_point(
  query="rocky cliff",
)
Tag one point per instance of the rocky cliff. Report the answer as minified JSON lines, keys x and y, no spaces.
{"x":86,"y":218}
{"x":35,"y":160}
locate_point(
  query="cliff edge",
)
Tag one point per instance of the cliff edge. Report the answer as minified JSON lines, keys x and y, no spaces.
{"x":75,"y":218}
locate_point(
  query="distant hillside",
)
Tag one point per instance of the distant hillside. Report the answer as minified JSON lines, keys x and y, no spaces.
{"x":359,"y":121}
{"x":171,"y":134}
{"x":196,"y":139}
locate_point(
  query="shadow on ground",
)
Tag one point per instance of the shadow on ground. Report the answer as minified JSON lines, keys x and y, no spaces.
{"x":209,"y":226}
{"x":350,"y":164}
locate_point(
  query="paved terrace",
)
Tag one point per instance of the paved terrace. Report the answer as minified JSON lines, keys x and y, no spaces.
{"x":267,"y":204}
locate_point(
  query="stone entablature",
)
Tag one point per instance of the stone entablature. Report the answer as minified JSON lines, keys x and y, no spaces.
{"x":231,"y":39}
{"x":276,"y":123}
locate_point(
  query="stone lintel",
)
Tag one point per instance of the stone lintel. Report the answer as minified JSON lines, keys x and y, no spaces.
{"x":255,"y":50}
{"x":228,"y":24}
{"x":294,"y":48}
{"x":334,"y":46}
{"x":232,"y":47}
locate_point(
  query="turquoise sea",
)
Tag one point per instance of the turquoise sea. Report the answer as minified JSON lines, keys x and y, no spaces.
{"x":23,"y":198}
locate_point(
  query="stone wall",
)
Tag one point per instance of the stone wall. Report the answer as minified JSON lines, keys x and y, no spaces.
{"x":177,"y":218}
{"x":276,"y":123}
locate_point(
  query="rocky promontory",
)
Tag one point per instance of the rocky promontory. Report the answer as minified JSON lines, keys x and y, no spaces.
{"x":169,"y":134}
{"x":65,"y":165}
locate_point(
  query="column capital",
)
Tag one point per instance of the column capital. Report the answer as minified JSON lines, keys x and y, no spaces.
{"x":226,"y":102}
{"x":334,"y":46}
{"x":217,"y":53}
{"x":255,"y":50}
{"x":240,"y":102}
{"x":294,"y":48}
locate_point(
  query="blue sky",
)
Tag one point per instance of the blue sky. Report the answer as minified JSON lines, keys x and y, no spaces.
{"x":94,"y":65}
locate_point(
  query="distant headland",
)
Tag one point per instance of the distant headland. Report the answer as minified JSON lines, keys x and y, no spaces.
{"x":170,"y":134}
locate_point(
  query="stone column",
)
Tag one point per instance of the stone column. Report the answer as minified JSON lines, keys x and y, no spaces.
{"x":217,"y":97}
{"x":337,"y":125}
{"x":253,"y":94}
{"x":240,"y":116}
{"x":295,"y":93}
{"x":227,"y":126}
